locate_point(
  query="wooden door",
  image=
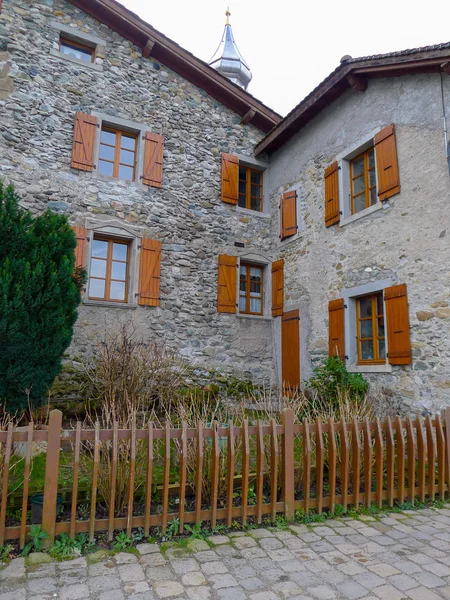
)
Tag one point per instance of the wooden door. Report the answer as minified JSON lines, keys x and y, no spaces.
{"x":290,"y":349}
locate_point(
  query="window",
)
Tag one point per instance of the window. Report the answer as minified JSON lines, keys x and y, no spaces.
{"x":362,"y":179}
{"x":117,"y":154}
{"x":250,"y":188}
{"x":370,"y":329}
{"x":363,"y":188}
{"x":108,"y":277}
{"x":76,"y":50}
{"x":251,"y":289}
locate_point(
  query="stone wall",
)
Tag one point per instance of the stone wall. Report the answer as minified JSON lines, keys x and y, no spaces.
{"x":404,"y":242}
{"x":39,"y":96}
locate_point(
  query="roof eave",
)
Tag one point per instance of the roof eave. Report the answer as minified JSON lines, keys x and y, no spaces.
{"x":337,"y":83}
{"x":131,"y":27}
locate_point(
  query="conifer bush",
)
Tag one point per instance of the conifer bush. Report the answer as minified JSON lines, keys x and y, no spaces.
{"x":39,"y":295}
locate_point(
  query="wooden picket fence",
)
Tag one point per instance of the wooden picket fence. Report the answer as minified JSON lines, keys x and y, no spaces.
{"x":285,"y":467}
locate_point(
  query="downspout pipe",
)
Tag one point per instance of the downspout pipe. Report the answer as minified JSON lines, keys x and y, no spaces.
{"x":444,"y":117}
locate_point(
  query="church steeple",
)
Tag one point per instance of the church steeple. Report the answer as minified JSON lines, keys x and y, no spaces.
{"x":228,"y":60}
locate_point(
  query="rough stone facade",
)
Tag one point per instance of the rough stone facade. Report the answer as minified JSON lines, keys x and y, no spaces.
{"x":39,"y":96}
{"x":406,"y":241}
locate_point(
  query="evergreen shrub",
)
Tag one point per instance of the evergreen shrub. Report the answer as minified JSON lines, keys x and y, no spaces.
{"x":39,"y":295}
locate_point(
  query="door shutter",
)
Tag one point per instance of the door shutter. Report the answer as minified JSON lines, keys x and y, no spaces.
{"x":397,"y":322}
{"x":150,"y":272}
{"x":80,"y":250}
{"x":288,"y":214}
{"x":387,"y":163}
{"x":153,"y":159}
{"x":290,"y":349}
{"x":230,"y":178}
{"x":277,"y":287}
{"x":226,"y":285}
{"x":83,"y":146}
{"x":336,"y":343}
{"x":332,"y":213}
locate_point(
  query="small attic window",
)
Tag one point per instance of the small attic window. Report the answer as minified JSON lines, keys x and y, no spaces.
{"x":76,"y":50}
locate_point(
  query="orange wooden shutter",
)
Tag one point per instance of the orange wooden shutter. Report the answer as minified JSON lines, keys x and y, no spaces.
{"x":332,"y":213}
{"x":153,"y":159}
{"x":290,"y":349}
{"x":230,"y":178}
{"x":397,"y":321}
{"x":277,"y":287}
{"x":150,"y":272}
{"x":336,"y":344}
{"x":288,"y":214}
{"x":80,"y":250}
{"x":226,"y":286}
{"x":83,"y":146}
{"x":387,"y":163}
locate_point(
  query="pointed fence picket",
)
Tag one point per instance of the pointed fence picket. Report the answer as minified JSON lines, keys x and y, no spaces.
{"x":256,"y":470}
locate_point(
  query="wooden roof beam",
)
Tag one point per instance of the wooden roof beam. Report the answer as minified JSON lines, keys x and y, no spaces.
{"x":357,"y":82}
{"x":248,"y":116}
{"x":446,"y":67}
{"x":148,"y":48}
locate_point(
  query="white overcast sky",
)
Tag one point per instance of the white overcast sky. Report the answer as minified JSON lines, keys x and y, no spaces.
{"x":291,"y":46}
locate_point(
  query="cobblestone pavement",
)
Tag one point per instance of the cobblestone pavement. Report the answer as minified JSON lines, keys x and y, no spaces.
{"x":396,"y":556}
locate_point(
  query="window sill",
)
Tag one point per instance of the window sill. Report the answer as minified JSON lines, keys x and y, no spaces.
{"x":255,"y":213}
{"x":106,"y":304}
{"x":76,"y":61}
{"x":289,"y":239}
{"x":255,"y":317}
{"x":354,"y":368}
{"x":363,"y":213}
{"x":124,"y":182}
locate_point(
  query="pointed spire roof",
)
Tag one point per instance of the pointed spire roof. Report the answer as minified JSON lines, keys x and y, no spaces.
{"x":228,"y":60}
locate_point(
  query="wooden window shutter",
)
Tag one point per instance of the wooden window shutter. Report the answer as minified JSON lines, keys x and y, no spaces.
{"x":277,"y":287}
{"x":153,"y":159}
{"x":387,"y":163}
{"x":336,"y":339}
{"x":83,"y":146}
{"x":150,"y":272}
{"x":230,"y":178}
{"x":397,"y":321}
{"x":80,"y":250}
{"x":290,"y":349}
{"x":332,"y":213}
{"x":226,"y":285}
{"x":288,"y":214}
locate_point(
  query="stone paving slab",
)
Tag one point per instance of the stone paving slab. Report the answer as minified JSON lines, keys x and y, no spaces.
{"x":340,"y":559}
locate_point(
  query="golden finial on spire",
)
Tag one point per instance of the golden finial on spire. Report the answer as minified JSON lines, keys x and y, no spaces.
{"x":228,"y":15}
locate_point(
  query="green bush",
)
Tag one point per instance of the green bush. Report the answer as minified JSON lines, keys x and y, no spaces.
{"x":331,"y":381}
{"x":39,"y":295}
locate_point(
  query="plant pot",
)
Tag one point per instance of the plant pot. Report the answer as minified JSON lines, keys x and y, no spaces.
{"x":37,"y":503}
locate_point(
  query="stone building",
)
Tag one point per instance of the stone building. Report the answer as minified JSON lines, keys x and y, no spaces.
{"x":254,"y":245}
{"x":360,"y":171}
{"x":110,"y":122}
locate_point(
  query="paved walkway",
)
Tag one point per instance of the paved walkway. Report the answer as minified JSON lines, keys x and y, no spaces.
{"x":396,"y":556}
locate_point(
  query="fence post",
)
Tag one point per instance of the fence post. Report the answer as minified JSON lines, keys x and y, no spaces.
{"x":447,"y":448}
{"x":51,"y":476}
{"x":288,"y":463}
